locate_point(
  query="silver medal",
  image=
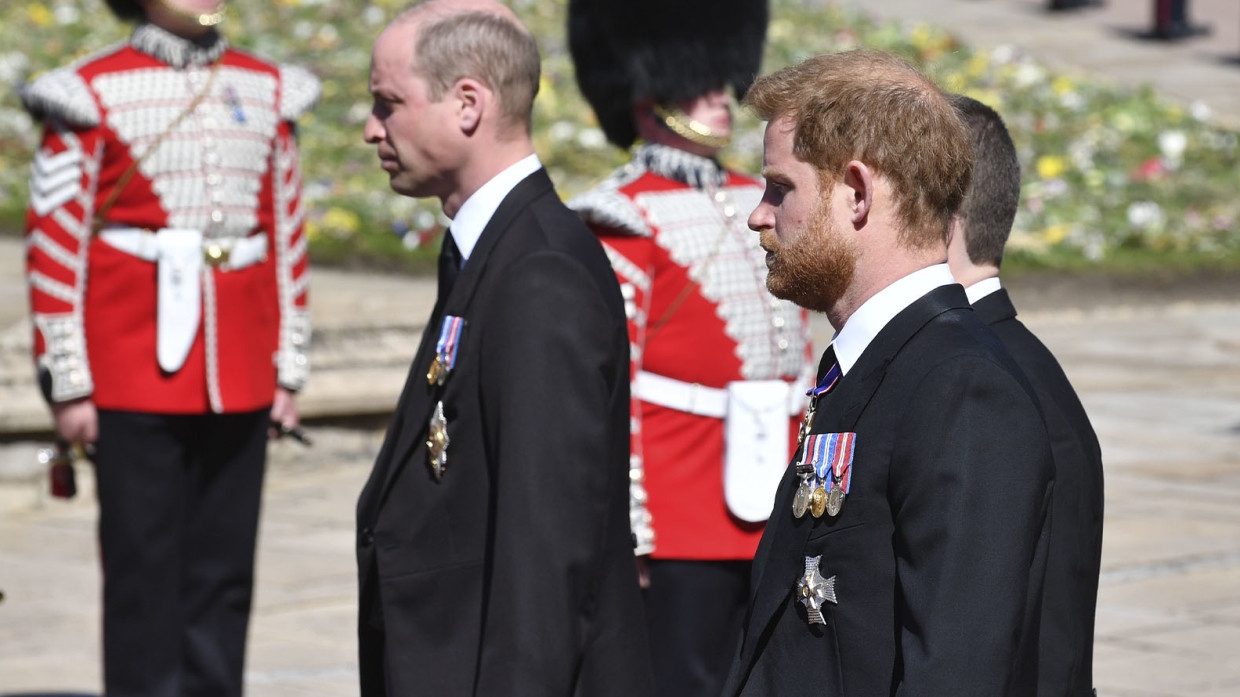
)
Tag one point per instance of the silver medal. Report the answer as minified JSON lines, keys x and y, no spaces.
{"x":835,"y":499}
{"x":800,"y":502}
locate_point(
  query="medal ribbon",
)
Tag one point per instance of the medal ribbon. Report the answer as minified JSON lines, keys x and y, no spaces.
{"x":827,"y":383}
{"x":831,"y":455}
{"x":449,"y":340}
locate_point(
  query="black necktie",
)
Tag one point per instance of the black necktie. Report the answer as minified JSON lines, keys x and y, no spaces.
{"x":449,"y":265}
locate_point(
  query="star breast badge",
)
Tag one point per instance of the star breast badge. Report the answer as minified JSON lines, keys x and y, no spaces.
{"x":813,"y":590}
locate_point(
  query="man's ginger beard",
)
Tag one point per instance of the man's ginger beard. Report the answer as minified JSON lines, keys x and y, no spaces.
{"x":814,"y":269}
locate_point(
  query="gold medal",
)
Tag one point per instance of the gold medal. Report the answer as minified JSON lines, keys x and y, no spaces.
{"x":800,"y":502}
{"x":835,"y":499}
{"x":433,"y":375}
{"x":818,"y":502}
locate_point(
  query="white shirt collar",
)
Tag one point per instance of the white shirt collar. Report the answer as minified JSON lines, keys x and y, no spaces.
{"x":982,"y":288}
{"x":874,"y":314}
{"x":477,"y":210}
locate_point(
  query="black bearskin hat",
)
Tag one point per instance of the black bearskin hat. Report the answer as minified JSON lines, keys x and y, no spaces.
{"x":127,"y":10}
{"x":666,"y":50}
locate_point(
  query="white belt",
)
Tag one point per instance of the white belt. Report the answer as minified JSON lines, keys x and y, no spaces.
{"x":699,"y":399}
{"x":179,"y":256}
{"x":225,"y":253}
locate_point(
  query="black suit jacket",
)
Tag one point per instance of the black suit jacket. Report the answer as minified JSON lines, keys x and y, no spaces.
{"x":939,"y":550}
{"x":514,"y":574}
{"x":1071,"y":592}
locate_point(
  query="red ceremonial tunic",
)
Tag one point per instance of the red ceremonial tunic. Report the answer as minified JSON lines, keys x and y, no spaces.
{"x":694,"y":280}
{"x":212,"y":132}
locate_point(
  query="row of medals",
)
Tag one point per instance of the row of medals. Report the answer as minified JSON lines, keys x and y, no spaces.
{"x":812,"y":495}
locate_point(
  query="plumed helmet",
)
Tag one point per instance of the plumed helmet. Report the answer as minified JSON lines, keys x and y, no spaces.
{"x":127,"y":10}
{"x":666,"y":50}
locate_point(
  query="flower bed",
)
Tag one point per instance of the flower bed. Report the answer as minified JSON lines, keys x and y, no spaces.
{"x":1106,"y":171}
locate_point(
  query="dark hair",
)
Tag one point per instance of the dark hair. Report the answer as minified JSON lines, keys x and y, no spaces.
{"x":127,"y":10}
{"x":874,"y":107}
{"x":990,"y":206}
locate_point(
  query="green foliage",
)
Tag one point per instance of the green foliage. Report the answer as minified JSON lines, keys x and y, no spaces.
{"x":1108,"y":173}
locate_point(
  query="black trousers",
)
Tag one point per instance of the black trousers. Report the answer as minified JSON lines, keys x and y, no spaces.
{"x":694,"y":612}
{"x":178,"y":515}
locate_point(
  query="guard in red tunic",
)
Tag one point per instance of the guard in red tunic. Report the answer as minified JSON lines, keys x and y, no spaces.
{"x":167,"y":270}
{"x":719,"y":366}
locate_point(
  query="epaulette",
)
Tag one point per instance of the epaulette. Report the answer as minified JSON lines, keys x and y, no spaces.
{"x":299,"y":91}
{"x":61,"y":95}
{"x":604,"y":205}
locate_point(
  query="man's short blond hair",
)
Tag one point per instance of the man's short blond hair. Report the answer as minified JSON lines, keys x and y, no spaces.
{"x":873,"y":107}
{"x":487,"y":46}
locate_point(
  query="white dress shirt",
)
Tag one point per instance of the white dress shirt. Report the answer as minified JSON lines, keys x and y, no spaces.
{"x":874,"y":314}
{"x":477,"y":210}
{"x":982,"y":288}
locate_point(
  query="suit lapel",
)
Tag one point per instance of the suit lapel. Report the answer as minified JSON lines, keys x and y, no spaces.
{"x":780,"y":559}
{"x":419,"y":398}
{"x":995,"y":307}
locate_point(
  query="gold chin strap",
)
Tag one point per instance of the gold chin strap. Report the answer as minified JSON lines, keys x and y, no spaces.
{"x":678,"y":122}
{"x":209,"y":19}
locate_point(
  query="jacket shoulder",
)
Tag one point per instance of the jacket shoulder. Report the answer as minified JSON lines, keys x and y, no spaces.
{"x":299,"y":91}
{"x":609,"y":205}
{"x":63,"y":95}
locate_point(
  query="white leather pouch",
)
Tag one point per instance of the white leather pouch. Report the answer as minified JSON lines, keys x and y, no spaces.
{"x":755,"y":446}
{"x":179,"y":312}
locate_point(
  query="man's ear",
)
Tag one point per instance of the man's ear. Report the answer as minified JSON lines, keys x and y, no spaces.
{"x":472,"y":99}
{"x":859,"y":180}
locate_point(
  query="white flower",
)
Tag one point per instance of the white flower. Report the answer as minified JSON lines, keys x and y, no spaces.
{"x":373,"y":15}
{"x":12,"y":66}
{"x":303,"y":30}
{"x":1072,"y":101}
{"x":1053,"y":188}
{"x":1081,"y":152}
{"x":358,"y":113}
{"x":66,"y":13}
{"x":1029,"y":74}
{"x":1003,"y":54}
{"x":424,"y":220}
{"x":1200,"y":111}
{"x":1172,"y":145}
{"x":411,"y":240}
{"x":328,"y":34}
{"x":591,"y":138}
{"x":1145,"y":215}
{"x":561,"y":131}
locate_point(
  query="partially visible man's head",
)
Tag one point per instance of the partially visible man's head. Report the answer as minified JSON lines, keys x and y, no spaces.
{"x":872,"y":107}
{"x":986,"y":215}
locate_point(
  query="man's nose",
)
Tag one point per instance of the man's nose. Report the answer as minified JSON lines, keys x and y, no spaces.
{"x":373,"y":131}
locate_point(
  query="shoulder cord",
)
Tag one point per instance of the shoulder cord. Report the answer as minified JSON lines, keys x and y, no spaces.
{"x":128,"y":174}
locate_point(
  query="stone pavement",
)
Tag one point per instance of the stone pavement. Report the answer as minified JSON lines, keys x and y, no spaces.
{"x":1157,"y":369}
{"x":1098,"y":41}
{"x":1161,"y":382}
